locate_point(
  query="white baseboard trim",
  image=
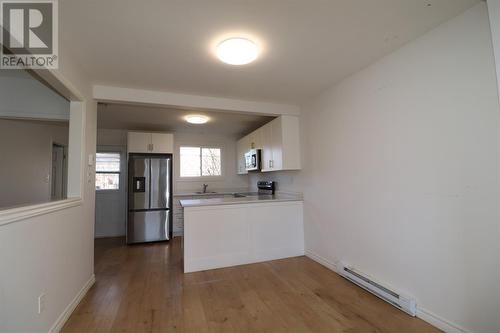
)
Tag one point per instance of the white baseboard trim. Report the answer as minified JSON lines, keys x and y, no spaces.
{"x":58,"y":325}
{"x":319,"y":259}
{"x":440,"y":322}
{"x":425,"y":315}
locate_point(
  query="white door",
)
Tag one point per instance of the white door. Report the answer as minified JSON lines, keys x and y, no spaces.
{"x":110,"y":204}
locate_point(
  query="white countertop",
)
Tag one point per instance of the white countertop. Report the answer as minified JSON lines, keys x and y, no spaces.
{"x":231,"y":200}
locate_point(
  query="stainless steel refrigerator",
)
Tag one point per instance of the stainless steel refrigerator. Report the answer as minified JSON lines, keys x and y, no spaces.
{"x":149,"y":198}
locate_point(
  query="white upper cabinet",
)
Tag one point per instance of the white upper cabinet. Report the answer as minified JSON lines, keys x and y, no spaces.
{"x":156,"y":143}
{"x":267,"y":148}
{"x":241,"y":148}
{"x":280,"y":144}
{"x":138,"y":142}
{"x":255,"y":139}
{"x":162,"y":143}
{"x":277,"y":139}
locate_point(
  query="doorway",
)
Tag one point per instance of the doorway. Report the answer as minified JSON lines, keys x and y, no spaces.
{"x":59,"y":172}
{"x":111,"y":192}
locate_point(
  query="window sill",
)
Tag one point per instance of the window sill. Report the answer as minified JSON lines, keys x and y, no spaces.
{"x":11,"y":215}
{"x":201,"y":179}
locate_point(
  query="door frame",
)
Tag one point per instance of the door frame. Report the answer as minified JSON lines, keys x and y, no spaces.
{"x":64,"y":184}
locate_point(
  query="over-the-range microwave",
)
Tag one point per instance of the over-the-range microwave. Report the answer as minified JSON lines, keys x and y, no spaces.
{"x":252,"y":160}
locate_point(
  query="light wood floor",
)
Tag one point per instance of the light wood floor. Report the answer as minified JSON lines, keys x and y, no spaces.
{"x":141,"y":288}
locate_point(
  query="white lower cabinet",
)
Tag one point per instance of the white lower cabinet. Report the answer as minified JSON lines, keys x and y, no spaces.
{"x":178,"y":211}
{"x":178,"y":217}
{"x":229,"y":235}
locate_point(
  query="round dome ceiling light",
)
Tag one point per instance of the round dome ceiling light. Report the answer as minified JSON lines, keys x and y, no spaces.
{"x":237,"y":51}
{"x":196,"y":119}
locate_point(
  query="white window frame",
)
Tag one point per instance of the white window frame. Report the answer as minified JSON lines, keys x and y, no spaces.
{"x":119,"y":173}
{"x":201,"y":178}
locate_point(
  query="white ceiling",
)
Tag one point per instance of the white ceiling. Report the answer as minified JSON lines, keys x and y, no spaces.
{"x":309,"y":44}
{"x":145,"y":118}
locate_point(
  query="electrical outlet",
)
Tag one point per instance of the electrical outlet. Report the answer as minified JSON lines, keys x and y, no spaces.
{"x":41,"y":303}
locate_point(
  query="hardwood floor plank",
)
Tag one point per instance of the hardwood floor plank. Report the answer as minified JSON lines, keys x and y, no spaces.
{"x":142,"y":288}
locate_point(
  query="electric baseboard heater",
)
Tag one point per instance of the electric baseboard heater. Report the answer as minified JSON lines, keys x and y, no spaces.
{"x":402,"y":302}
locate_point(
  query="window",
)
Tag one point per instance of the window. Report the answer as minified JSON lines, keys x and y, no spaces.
{"x":200,"y":162}
{"x":107,"y":167}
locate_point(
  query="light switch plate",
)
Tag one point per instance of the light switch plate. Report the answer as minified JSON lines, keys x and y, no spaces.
{"x":91,"y":159}
{"x":41,"y":303}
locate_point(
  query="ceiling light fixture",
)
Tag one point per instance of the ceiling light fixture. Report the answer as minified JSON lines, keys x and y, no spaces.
{"x":237,"y":51}
{"x":196,"y":119}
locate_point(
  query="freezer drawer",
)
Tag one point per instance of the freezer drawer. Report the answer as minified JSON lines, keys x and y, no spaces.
{"x":148,"y":226}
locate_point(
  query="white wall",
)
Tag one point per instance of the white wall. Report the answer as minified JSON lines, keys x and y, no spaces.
{"x":494,"y":15}
{"x":112,"y":137}
{"x":286,"y":181}
{"x":401,"y":175}
{"x":51,"y":253}
{"x":23,"y":96}
{"x":26,"y":167}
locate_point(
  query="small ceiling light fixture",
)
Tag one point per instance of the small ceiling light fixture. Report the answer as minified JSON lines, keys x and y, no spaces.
{"x":196,"y":119}
{"x":237,"y":51}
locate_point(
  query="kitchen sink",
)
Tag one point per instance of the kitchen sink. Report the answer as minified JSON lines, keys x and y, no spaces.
{"x":207,"y":192}
{"x":239,"y":195}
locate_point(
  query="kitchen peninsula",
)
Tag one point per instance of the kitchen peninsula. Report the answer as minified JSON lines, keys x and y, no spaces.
{"x":240,"y":229}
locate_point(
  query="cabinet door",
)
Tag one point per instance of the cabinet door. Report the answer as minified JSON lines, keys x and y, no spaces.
{"x":138,"y":142}
{"x":276,"y":144}
{"x":267,"y":148}
{"x":255,"y":139}
{"x":162,"y":143}
{"x":241,"y":149}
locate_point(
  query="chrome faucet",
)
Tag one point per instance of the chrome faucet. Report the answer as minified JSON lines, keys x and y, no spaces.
{"x":205,"y":188}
